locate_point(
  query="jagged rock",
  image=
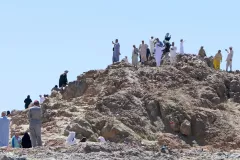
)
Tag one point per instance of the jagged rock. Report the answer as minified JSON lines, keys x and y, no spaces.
{"x":186,"y":128}
{"x":124,"y":103}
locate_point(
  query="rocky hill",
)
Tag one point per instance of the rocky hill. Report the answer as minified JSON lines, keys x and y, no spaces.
{"x":182,"y":106}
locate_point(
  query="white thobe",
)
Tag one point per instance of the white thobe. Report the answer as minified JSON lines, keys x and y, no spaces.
{"x":101,"y":139}
{"x":71,"y":138}
{"x":229,"y":60}
{"x":181,"y":48}
{"x":4,"y":131}
{"x":151,"y":43}
{"x":42,"y":99}
{"x":158,"y":54}
{"x":172,"y":55}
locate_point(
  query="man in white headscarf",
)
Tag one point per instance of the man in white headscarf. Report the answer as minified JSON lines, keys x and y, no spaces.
{"x":158,"y":52}
{"x":4,"y":130}
{"x":151,"y":43}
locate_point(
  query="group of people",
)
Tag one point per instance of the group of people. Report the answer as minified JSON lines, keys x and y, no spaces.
{"x":160,"y":50}
{"x":17,"y":141}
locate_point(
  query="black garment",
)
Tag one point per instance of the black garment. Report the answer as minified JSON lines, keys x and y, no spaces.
{"x":140,"y":58}
{"x":27,"y":101}
{"x":148,"y":53}
{"x":84,"y":139}
{"x":26,"y":141}
{"x":63,"y":80}
{"x":8,"y":112}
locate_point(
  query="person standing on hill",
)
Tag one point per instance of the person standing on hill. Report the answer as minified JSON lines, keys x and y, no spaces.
{"x":4,"y":130}
{"x":173,"y":53}
{"x":217,"y":60}
{"x":202,"y":53}
{"x":143,"y":51}
{"x":63,"y":79}
{"x":116,"y":51}
{"x":181,"y":46}
{"x":27,"y":101}
{"x":229,"y":59}
{"x":148,"y":54}
{"x":35,"y":124}
{"x":151,"y":43}
{"x":135,"y":56}
{"x":158,"y":52}
{"x":42,"y":99}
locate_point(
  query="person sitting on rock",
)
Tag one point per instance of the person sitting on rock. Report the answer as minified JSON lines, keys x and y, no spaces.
{"x":16,"y":141}
{"x":202,"y":53}
{"x":125,"y":59}
{"x":63,"y":79}
{"x":27,"y":101}
{"x":26,"y":141}
{"x":217,"y":60}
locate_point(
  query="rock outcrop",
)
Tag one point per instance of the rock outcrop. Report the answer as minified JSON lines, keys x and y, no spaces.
{"x":186,"y":102}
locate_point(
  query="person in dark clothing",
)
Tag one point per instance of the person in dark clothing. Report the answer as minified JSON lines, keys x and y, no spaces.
{"x":148,"y":54}
{"x":63,"y":79}
{"x":26,"y":141}
{"x":27,"y":101}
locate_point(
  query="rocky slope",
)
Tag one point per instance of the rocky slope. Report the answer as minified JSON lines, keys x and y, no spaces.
{"x":185,"y":105}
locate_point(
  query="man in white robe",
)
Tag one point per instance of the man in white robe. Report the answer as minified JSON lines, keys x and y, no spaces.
{"x":143,"y":51}
{"x":158,"y":52}
{"x":71,"y":139}
{"x":151,"y":43}
{"x":4,"y":130}
{"x":181,"y":46}
{"x":229,"y":59}
{"x":172,"y":54}
{"x":42,"y":99}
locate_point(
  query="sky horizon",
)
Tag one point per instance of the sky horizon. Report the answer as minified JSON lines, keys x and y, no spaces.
{"x":39,"y":40}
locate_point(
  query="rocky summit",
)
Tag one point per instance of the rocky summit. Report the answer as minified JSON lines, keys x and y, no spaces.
{"x":190,"y":108}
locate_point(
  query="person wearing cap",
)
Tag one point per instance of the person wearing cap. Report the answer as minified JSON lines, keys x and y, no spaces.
{"x":229,"y":59}
{"x":4,"y":130}
{"x":63,"y":79}
{"x":35,"y":124}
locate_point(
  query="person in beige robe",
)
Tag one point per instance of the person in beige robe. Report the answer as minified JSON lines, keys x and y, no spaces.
{"x":143,"y":51}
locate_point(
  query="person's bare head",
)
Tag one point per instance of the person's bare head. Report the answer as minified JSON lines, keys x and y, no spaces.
{"x":201,"y":47}
{"x":116,"y":40}
{"x":219,"y":51}
{"x":181,"y":40}
{"x":230,"y":48}
{"x":134,"y":46}
{"x":36,"y":103}
{"x":40,"y":96}
{"x":66,"y":72}
{"x":152,"y":37}
{"x":173,"y":43}
{"x":16,"y":134}
{"x":4,"y":114}
{"x":142,"y":42}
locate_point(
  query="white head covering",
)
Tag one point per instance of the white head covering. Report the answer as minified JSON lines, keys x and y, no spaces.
{"x":71,"y":138}
{"x":101,"y":139}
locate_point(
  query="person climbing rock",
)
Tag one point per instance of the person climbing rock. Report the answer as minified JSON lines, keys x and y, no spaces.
{"x":27,"y":101}
{"x":35,"y":124}
{"x":229,"y":59}
{"x":217,"y":60}
{"x":202,"y":53}
{"x":63,"y":79}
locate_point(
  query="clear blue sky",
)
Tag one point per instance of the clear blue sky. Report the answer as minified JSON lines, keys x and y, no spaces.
{"x":41,"y":39}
